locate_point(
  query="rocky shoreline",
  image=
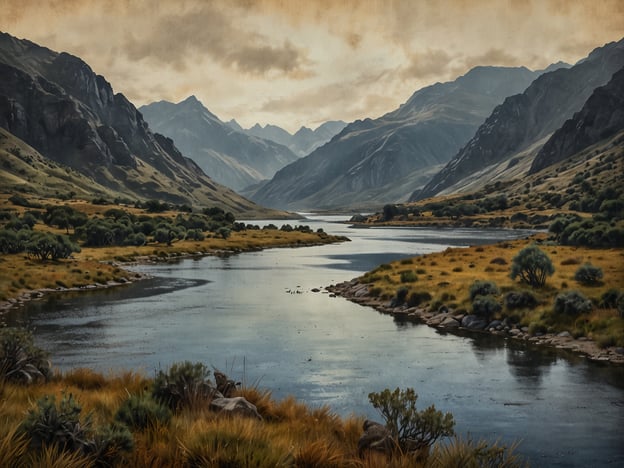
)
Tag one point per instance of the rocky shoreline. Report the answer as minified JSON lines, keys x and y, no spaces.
{"x":449,"y":321}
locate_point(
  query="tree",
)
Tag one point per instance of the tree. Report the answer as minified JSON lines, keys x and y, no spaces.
{"x":532,"y":266}
{"x":412,"y":430}
{"x":44,"y":246}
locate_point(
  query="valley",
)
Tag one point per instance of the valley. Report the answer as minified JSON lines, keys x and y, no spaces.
{"x":314,"y":208}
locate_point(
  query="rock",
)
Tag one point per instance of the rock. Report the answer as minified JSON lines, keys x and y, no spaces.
{"x":225,"y":385}
{"x":361,"y":292}
{"x":473,"y":322}
{"x":495,"y":324}
{"x":376,"y":437}
{"x":564,"y":334}
{"x":449,"y":322}
{"x":238,"y":406}
{"x":619,"y":350}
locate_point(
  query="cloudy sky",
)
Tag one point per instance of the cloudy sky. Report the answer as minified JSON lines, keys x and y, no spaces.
{"x":303,"y":62}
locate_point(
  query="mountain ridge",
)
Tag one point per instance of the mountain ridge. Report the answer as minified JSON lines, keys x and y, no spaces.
{"x":233,"y":158}
{"x":55,"y":103}
{"x":372,"y":162}
{"x":524,"y":119}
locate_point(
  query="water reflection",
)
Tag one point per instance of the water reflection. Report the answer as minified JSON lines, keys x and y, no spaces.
{"x":328,"y":351}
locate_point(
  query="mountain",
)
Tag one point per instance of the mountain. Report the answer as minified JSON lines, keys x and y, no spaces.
{"x":516,"y":130}
{"x":372,"y":162}
{"x":601,"y":117}
{"x":232,"y":158}
{"x":303,"y":142}
{"x":55,"y":103}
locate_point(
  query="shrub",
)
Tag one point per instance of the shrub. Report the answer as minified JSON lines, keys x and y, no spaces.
{"x":520,"y":300}
{"x":412,"y":430}
{"x":485,"y":306}
{"x":417,"y":298}
{"x":408,"y":276}
{"x":572,"y":303}
{"x":185,"y":384}
{"x":109,"y":443}
{"x":498,"y":261}
{"x":399,"y":297}
{"x":483,"y":288}
{"x":60,"y":424}
{"x":588,"y":274}
{"x":140,"y":411}
{"x":609,"y":299}
{"x":20,"y":360}
{"x":532,"y":266}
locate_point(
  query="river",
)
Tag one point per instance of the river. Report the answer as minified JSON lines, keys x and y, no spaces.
{"x":255,"y":316}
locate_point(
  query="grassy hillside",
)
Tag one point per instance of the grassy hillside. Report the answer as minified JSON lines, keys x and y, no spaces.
{"x":21,"y":273}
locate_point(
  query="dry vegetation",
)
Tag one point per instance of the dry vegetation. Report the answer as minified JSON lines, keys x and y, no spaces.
{"x":290,"y":434}
{"x":20,"y":274}
{"x":448,"y":275}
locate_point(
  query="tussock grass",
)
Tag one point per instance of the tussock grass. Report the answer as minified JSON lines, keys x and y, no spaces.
{"x":493,"y":263}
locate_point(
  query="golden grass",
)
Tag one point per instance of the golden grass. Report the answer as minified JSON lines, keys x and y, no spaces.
{"x":20,"y":274}
{"x":290,"y":434}
{"x":448,"y":275}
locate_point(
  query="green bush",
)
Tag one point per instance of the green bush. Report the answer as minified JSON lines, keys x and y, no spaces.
{"x":588,"y":274}
{"x":109,"y":443}
{"x":59,"y":424}
{"x":486,"y":306}
{"x":185,"y":384}
{"x":400,"y":297}
{"x":609,"y":299}
{"x":418,"y":298}
{"x":520,"y":300}
{"x":532,"y":266}
{"x":483,"y":288}
{"x":412,"y":430}
{"x":20,"y":360}
{"x":140,"y":411}
{"x":572,"y":303}
{"x":47,"y":246}
{"x":408,"y":276}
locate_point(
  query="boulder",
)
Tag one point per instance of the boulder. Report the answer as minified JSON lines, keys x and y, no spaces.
{"x":376,"y":437}
{"x":449,"y":322}
{"x":473,"y":322}
{"x":237,"y":406}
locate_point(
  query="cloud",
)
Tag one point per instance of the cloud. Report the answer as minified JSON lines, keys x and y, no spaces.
{"x":427,"y":64}
{"x":205,"y":31}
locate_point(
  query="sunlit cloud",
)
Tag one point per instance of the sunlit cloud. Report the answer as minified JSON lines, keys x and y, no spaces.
{"x":297,"y":63}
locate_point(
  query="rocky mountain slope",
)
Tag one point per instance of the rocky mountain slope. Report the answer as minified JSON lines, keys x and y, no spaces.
{"x":372,"y":162}
{"x":55,"y":103}
{"x":516,"y":130}
{"x":601,"y":117}
{"x":303,"y":142}
{"x":231,"y":157}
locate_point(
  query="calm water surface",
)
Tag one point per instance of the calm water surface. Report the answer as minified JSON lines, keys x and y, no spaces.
{"x":255,"y":316}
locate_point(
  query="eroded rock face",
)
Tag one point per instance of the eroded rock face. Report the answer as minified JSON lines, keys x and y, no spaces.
{"x":236,"y":406}
{"x":524,"y":119}
{"x":376,"y":437}
{"x":601,"y":117}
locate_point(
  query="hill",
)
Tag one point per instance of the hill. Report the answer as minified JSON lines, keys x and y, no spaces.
{"x":55,"y":103}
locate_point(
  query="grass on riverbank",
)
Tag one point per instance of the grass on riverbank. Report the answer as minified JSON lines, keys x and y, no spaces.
{"x":290,"y":434}
{"x":447,"y":277}
{"x":20,"y":274}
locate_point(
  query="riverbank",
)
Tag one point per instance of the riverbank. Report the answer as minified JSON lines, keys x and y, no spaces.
{"x":23,"y":279}
{"x":440,"y":282}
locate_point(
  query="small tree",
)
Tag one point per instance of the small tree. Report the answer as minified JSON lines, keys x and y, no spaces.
{"x":532,"y":266}
{"x":47,"y":246}
{"x":412,"y":430}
